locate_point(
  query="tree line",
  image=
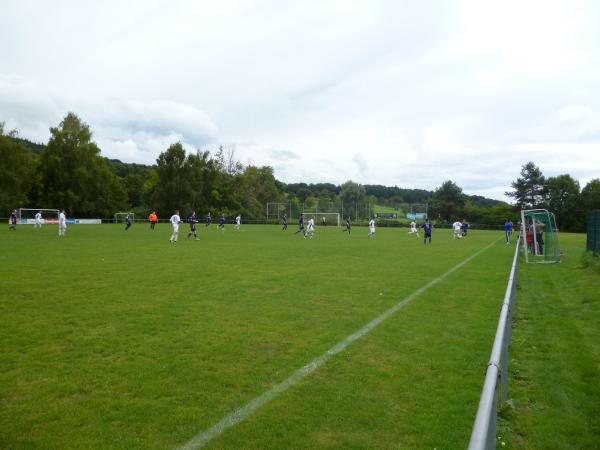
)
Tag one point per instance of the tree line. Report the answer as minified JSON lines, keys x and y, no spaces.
{"x":69,"y":172}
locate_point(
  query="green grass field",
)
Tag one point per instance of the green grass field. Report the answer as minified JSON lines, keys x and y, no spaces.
{"x":114,"y":339}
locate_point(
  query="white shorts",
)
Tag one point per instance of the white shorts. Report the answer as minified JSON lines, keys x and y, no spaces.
{"x":175,"y":228}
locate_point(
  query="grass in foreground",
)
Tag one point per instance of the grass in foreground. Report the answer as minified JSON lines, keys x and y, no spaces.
{"x":122,"y":340}
{"x":555,"y":355}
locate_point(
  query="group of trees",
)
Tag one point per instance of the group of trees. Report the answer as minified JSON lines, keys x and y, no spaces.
{"x":560,"y":194}
{"x":69,"y":172}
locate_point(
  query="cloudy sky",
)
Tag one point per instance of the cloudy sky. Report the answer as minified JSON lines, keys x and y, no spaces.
{"x":407,"y":93}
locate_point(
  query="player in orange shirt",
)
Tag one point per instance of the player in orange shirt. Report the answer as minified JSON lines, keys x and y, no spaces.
{"x":153,"y":218}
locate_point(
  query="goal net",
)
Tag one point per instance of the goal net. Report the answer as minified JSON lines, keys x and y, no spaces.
{"x":541,"y":244}
{"x":121,"y":216}
{"x":323,"y":219}
{"x":27,"y":215}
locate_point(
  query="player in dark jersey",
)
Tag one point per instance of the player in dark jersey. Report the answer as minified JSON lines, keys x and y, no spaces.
{"x":348,"y":225}
{"x":208,"y":220}
{"x":427,"y":227}
{"x":465,"y":228}
{"x":128,"y":221}
{"x":13,"y":220}
{"x":222,"y":222}
{"x":300,"y":224}
{"x":193,"y":220}
{"x":284,"y":223}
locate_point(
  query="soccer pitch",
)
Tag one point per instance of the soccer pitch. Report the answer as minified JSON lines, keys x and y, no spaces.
{"x":114,"y":339}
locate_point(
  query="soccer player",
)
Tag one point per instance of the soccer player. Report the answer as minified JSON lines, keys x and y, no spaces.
{"x":508,"y":227}
{"x":371,"y":229}
{"x":175,"y":219}
{"x":222,"y":222}
{"x":427,"y":228}
{"x":310,"y":228}
{"x":38,"y":220}
{"x":128,"y":221}
{"x":457,"y":226}
{"x":238,"y":222}
{"x":193,"y":220}
{"x":348,"y":225}
{"x":300,"y":224}
{"x":12,"y":222}
{"x":153,"y":218}
{"x":413,"y":228}
{"x":465,"y":228}
{"x":62,"y":223}
{"x":208,"y":220}
{"x":284,"y":223}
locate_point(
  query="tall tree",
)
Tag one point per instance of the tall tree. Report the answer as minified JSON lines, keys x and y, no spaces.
{"x":590,"y":195}
{"x":353,"y":196}
{"x":529,"y":188}
{"x":17,"y":167}
{"x":448,"y":201}
{"x":173,"y":189}
{"x":74,"y":175}
{"x":563,"y":199}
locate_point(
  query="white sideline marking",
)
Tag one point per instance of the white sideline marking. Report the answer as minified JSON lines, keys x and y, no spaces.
{"x":249,"y":408}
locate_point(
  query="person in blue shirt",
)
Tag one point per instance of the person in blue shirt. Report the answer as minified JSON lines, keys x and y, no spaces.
{"x":13,"y":220}
{"x":222,"y":222}
{"x":464,"y":228}
{"x":300,"y":224}
{"x":508,"y":228}
{"x":427,"y":228}
{"x":208,"y":220}
{"x":348,"y":225}
{"x":128,"y":221}
{"x":192,"y":220}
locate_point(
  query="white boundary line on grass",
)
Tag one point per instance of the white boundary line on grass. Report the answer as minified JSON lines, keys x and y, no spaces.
{"x":249,"y":408}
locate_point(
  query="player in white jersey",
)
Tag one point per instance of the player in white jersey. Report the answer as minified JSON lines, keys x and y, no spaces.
{"x":310,"y":228}
{"x":413,"y":228}
{"x":457,"y":227}
{"x":371,"y":229}
{"x":238,"y":221}
{"x":62,"y":223}
{"x":175,"y":219}
{"x":38,"y":220}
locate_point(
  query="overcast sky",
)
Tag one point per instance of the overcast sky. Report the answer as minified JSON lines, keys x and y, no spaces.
{"x":407,"y":93}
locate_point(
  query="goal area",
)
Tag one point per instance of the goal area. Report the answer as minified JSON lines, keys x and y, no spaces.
{"x":121,"y":216}
{"x":540,"y":236}
{"x":323,"y":218}
{"x":27,"y":215}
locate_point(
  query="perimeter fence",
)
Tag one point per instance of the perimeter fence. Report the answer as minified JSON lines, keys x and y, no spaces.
{"x":593,"y":232}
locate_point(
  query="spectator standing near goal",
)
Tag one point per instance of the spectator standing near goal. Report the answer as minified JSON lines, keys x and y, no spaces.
{"x":175,"y":219}
{"x":153,"y":218}
{"x":348,"y":225}
{"x":38,"y":220}
{"x":300,"y":224}
{"x":539,"y":236}
{"x":457,"y":226}
{"x":427,"y":228}
{"x":12,"y":221}
{"x":62,"y":223}
{"x":413,"y":228}
{"x":238,"y":222}
{"x":128,"y":221}
{"x":508,"y":227}
{"x":371,"y":229}
{"x":284,"y":223}
{"x":193,"y":220}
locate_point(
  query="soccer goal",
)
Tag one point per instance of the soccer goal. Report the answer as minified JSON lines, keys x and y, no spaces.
{"x":323,"y":218}
{"x":27,"y":215}
{"x":121,"y":216}
{"x":540,"y":233}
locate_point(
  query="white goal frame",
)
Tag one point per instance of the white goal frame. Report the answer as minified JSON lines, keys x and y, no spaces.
{"x":534,"y":257}
{"x":116,"y":216}
{"x":335,"y":216}
{"x":42,"y":210}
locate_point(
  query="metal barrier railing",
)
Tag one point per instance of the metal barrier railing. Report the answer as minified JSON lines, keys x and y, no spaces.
{"x":483,"y":435}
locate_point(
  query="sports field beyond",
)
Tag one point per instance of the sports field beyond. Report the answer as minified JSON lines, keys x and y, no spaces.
{"x":114,"y":339}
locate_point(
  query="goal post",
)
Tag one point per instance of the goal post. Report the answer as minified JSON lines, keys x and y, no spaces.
{"x":121,"y":216}
{"x":323,"y":218}
{"x":27,"y":215}
{"x":540,"y":233}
